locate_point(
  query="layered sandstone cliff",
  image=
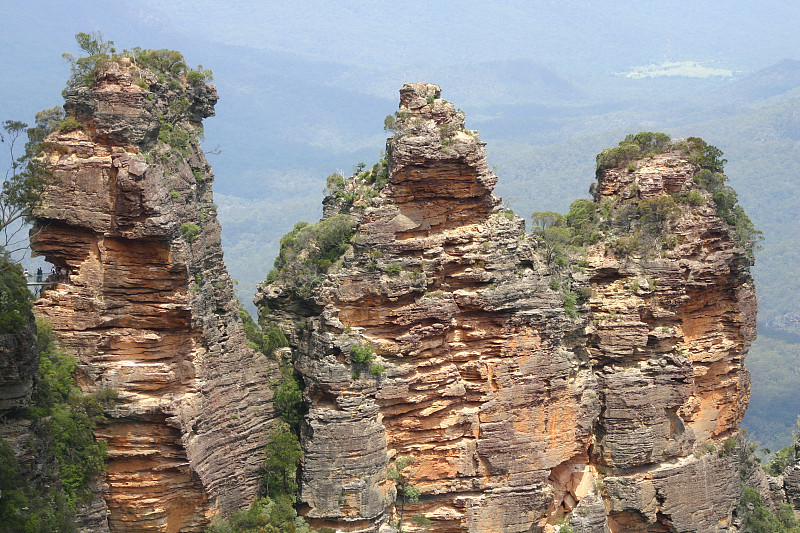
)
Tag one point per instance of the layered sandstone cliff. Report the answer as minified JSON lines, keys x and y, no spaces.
{"x":147,"y":306}
{"x":528,"y":390}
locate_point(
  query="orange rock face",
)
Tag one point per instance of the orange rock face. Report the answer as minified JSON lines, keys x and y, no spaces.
{"x":518,"y":412}
{"x":148,"y":308}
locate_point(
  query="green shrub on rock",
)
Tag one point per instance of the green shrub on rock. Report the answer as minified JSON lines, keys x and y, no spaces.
{"x":309,"y":250}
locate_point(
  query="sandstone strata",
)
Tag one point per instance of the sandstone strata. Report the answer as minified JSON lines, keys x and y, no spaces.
{"x":148,"y":307}
{"x":519,"y":411}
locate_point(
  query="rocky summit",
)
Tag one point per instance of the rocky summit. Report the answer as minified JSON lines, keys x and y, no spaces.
{"x":463,"y":375}
{"x":144,"y":302}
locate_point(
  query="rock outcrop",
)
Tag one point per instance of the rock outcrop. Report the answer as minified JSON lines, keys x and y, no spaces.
{"x":18,"y":366}
{"x":145,"y":302}
{"x":528,"y":390}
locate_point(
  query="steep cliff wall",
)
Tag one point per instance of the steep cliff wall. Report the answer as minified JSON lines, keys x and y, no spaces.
{"x":527,"y":388}
{"x":147,"y":305}
{"x":18,"y":362}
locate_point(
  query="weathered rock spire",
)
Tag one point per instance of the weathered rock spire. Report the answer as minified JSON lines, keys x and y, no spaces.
{"x":148,"y":308}
{"x":527,"y":390}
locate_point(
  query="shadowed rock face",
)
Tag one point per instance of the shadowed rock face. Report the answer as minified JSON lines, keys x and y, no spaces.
{"x":515,"y":412}
{"x":18,"y":366}
{"x":148,"y":308}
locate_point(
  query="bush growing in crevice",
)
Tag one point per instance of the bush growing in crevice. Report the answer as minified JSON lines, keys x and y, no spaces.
{"x":288,"y":398}
{"x":362,"y":186}
{"x":309,"y":250}
{"x":726,"y":202}
{"x":265,"y":342}
{"x":265,"y":515}
{"x":190,"y":231}
{"x":400,"y":472}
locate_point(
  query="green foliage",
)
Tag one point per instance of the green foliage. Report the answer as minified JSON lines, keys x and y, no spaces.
{"x":23,"y":507}
{"x":199,"y":76}
{"x":170,"y":65}
{"x":362,"y":186}
{"x":309,"y":250}
{"x":422,"y":521}
{"x":174,"y":135}
{"x":377,"y":370}
{"x":15,"y":298}
{"x":361,"y":354}
{"x":726,"y":202}
{"x":394,"y":269}
{"x":282,"y":460}
{"x":784,"y":458}
{"x":189,"y":231}
{"x":542,"y":220}
{"x":758,"y":519}
{"x":273,"y":339}
{"x":84,"y":69}
{"x":703,"y":154}
{"x":692,"y":197}
{"x":633,"y":147}
{"x":570,"y":301}
{"x":69,"y":124}
{"x":73,"y":417}
{"x":24,"y":180}
{"x":631,"y":226}
{"x":582,"y":216}
{"x":288,"y":398}
{"x":728,"y":447}
{"x":36,"y":499}
{"x":704,"y":449}
{"x":162,"y":61}
{"x":265,"y":342}
{"x":334,"y":184}
{"x":106,"y":397}
{"x":265,"y":515}
{"x":400,"y":473}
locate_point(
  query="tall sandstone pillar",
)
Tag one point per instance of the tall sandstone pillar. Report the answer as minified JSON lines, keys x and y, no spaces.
{"x":147,"y":306}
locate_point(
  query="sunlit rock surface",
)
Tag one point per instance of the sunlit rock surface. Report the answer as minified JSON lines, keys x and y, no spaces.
{"x":148,"y":307}
{"x":519,"y":412}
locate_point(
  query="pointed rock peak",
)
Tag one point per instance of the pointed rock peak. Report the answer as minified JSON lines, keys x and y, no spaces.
{"x":418,"y":95}
{"x":438,"y":172}
{"x":424,"y":101}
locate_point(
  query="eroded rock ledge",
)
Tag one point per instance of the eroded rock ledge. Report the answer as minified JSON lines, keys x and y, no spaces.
{"x":518,"y":410}
{"x":148,"y":307}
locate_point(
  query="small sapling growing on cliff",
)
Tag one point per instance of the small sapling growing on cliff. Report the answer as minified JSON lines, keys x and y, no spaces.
{"x":189,"y":231}
{"x":282,"y":459}
{"x":406,"y":492}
